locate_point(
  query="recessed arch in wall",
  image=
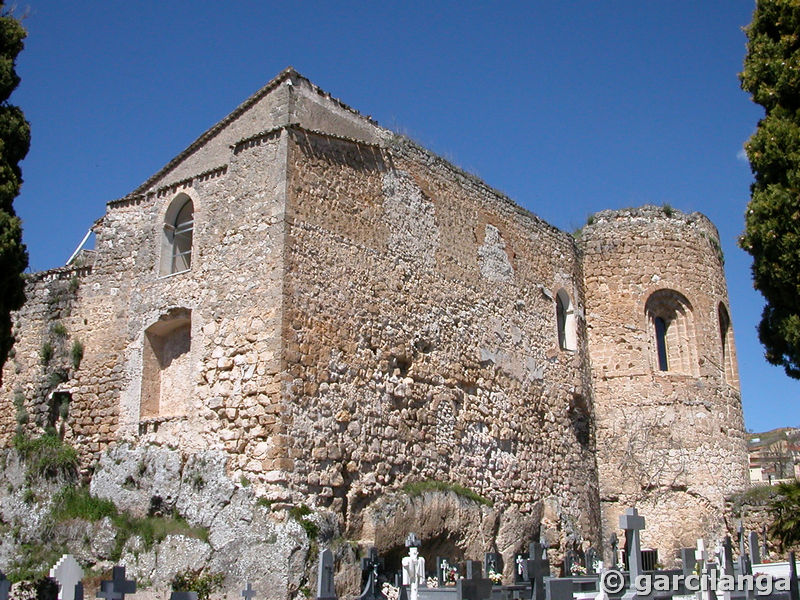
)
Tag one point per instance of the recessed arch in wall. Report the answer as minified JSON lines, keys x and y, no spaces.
{"x":671,"y":329}
{"x":177,"y":235}
{"x":166,"y":365}
{"x":566,"y":323}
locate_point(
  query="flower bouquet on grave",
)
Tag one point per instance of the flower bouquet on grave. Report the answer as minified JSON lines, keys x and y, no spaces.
{"x":495,"y":577}
{"x":391,"y":592}
{"x":577,"y":570}
{"x":450,"y":574}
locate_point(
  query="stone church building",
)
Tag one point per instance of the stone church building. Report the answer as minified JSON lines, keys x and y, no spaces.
{"x":343,"y":313}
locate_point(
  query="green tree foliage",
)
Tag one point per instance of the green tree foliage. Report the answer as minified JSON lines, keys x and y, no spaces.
{"x":785,"y":507}
{"x":14,"y":143}
{"x":772,"y":233}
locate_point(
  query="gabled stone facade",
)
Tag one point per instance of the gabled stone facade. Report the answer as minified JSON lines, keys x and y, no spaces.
{"x":355,"y":314}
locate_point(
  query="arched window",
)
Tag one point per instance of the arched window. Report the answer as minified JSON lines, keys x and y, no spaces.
{"x":672,"y":335}
{"x":726,"y":340}
{"x":565,"y":322}
{"x":176,"y":251}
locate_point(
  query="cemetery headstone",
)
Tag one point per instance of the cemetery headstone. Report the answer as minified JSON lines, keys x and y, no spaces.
{"x":79,"y":591}
{"x":325,"y":587}
{"x":591,"y":560}
{"x":444,"y":571}
{"x":726,"y":559}
{"x":413,"y":567}
{"x":117,"y":587}
{"x":183,"y":596}
{"x":794,"y":591}
{"x":248,"y":593}
{"x":614,"y":542}
{"x":752,"y":543}
{"x":538,"y":567}
{"x":474,"y":586}
{"x":632,"y":523}
{"x":559,"y":589}
{"x":688,"y":561}
{"x":493,"y":561}
{"x":5,"y":586}
{"x":570,"y":561}
{"x":68,"y":573}
{"x":370,"y":564}
{"x":520,"y":568}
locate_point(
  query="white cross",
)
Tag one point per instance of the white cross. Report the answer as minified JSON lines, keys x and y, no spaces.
{"x":68,"y":573}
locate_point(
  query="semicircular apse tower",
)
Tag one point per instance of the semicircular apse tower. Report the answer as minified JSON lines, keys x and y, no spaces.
{"x":669,"y":425}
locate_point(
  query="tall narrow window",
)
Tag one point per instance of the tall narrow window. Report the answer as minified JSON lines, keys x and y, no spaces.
{"x":727,"y":366}
{"x":176,"y":247}
{"x":661,"y":343}
{"x":182,"y":238}
{"x":566,"y":324}
{"x":671,"y":332}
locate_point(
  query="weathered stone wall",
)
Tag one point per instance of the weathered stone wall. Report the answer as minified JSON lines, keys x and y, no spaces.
{"x":421,"y":339}
{"x":669,"y":442}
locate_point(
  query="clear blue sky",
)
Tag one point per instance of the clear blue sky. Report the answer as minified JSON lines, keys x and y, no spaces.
{"x":568,"y":107}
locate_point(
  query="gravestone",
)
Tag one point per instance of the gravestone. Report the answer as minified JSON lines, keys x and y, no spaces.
{"x":474,"y":586}
{"x":183,"y":596}
{"x":591,"y":559}
{"x":726,"y":558}
{"x":68,"y":573}
{"x":632,"y":523}
{"x":520,"y":568}
{"x":79,"y":591}
{"x":248,"y":593}
{"x":570,"y":560}
{"x":538,"y":568}
{"x":794,"y":592}
{"x":370,"y":565}
{"x":325,"y":587}
{"x":614,"y":541}
{"x":493,"y":561}
{"x":5,"y":586}
{"x":752,"y":544}
{"x":559,"y":589}
{"x":688,"y":561}
{"x":413,"y":567}
{"x":443,"y":568}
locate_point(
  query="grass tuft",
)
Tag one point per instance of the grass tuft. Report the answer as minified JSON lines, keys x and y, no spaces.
{"x":417,"y":488}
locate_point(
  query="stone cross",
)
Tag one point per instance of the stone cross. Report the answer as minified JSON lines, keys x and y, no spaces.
{"x":632,"y":523}
{"x":614,"y":541}
{"x":520,"y":568}
{"x":248,"y":593}
{"x":68,"y":573}
{"x":413,"y":567}
{"x":370,"y":564}
{"x":538,"y":568}
{"x":474,"y":586}
{"x":755,"y":557}
{"x":5,"y":586}
{"x":325,"y":588}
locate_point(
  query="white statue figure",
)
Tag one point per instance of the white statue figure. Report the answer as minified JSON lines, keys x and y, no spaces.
{"x":413,"y":572}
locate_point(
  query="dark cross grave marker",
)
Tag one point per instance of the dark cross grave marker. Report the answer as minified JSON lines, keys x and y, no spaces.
{"x":248,"y":593}
{"x":632,"y":523}
{"x":688,"y":561}
{"x":474,"y":586}
{"x":538,"y":569}
{"x":752,"y":542}
{"x":5,"y":586}
{"x":591,"y":558}
{"x":118,"y":587}
{"x":370,"y":565}
{"x":183,"y":596}
{"x":325,"y":588}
